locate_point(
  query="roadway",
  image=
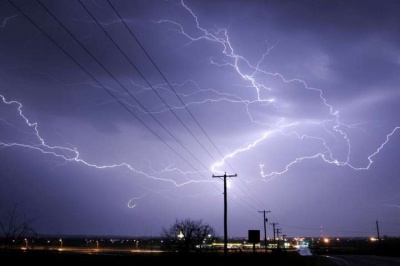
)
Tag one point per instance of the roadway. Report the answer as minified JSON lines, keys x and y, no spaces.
{"x":364,"y":260}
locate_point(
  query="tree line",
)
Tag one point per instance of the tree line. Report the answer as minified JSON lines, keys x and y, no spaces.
{"x":184,"y":235}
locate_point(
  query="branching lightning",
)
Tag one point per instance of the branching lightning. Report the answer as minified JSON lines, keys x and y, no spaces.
{"x":251,"y":73}
{"x":67,"y":154}
{"x":264,"y":93}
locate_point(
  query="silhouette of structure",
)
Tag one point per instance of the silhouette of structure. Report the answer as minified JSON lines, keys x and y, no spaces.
{"x":225,"y":211}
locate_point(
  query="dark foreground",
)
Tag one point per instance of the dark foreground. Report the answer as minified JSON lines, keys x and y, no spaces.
{"x":212,"y":258}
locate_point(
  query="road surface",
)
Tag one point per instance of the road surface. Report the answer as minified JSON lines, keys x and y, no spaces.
{"x":364,"y":260}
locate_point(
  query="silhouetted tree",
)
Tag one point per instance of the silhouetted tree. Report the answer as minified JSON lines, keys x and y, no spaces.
{"x":184,"y":235}
{"x":14,"y":231}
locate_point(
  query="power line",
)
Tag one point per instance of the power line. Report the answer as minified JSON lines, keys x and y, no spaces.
{"x":99,"y":83}
{"x":96,"y":81}
{"x":145,"y":79}
{"x":121,"y":85}
{"x":254,"y":198}
{"x":325,"y":229}
{"x":172,"y":88}
{"x":166,"y":80}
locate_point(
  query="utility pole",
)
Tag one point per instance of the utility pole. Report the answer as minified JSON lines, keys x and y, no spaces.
{"x":273,"y":226}
{"x":225,"y":211}
{"x":265,"y":229}
{"x":278,"y":230}
{"x":284,"y":242}
{"x":377,"y":230}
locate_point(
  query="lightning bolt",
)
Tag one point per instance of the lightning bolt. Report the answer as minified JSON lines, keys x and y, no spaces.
{"x":72,"y":155}
{"x":4,"y":22}
{"x":132,"y":202}
{"x":258,"y":80}
{"x":201,"y":96}
{"x":264,"y":90}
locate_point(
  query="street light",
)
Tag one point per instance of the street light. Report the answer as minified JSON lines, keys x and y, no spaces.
{"x":26,"y":243}
{"x":61,"y":243}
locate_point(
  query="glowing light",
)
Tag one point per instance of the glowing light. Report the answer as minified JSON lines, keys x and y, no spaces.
{"x":250,"y":73}
{"x":264,"y":94}
{"x":214,"y":167}
{"x":4,"y":22}
{"x":67,"y":154}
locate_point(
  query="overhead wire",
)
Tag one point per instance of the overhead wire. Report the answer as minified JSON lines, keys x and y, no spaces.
{"x":121,"y":85}
{"x":105,"y":69}
{"x":144,"y":78}
{"x":255,"y":198}
{"x":166,"y":80}
{"x":99,"y":83}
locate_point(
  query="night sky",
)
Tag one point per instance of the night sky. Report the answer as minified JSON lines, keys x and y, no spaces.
{"x":116,"y":127}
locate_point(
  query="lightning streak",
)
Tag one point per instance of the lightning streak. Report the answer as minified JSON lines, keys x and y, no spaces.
{"x":4,"y":22}
{"x":263,"y":93}
{"x":132,"y":202}
{"x":207,"y":95}
{"x":215,"y":166}
{"x":72,"y":154}
{"x":253,"y":74}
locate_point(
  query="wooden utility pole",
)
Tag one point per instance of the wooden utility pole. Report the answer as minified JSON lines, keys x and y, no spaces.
{"x":284,"y":242}
{"x":377,"y":230}
{"x":278,"y":231}
{"x":273,"y":226}
{"x":265,"y":229}
{"x":225,"y":211}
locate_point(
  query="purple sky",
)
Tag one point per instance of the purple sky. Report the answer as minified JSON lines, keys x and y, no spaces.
{"x":299,"y":98}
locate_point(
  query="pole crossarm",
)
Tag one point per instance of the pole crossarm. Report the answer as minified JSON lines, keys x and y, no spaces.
{"x":224,"y":176}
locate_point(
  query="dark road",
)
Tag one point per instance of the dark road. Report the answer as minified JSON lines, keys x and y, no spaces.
{"x":364,"y":260}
